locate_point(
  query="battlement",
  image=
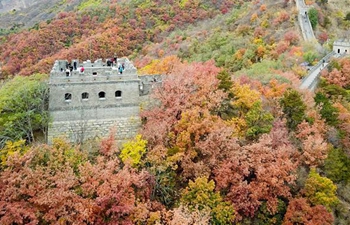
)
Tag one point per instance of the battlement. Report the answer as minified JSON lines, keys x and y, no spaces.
{"x":342,"y":42}
{"x":341,"y":46}
{"x":63,"y":71}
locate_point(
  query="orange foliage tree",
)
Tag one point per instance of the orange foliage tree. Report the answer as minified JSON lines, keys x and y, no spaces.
{"x":299,"y":211}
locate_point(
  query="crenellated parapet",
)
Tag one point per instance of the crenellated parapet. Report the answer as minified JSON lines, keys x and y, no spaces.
{"x":341,"y":46}
{"x":72,"y":70}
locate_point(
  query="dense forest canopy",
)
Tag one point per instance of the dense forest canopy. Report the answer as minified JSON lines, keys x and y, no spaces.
{"x":231,"y":139}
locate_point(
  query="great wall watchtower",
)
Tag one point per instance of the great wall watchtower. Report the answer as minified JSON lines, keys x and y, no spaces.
{"x":87,"y":104}
{"x":342,"y":46}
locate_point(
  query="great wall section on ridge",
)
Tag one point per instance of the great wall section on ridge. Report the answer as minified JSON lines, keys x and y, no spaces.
{"x":86,"y":105}
{"x":340,"y":48}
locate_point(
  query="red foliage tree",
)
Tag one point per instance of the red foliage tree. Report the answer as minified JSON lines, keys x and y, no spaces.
{"x":182,"y":131}
{"x":299,"y":211}
{"x":314,"y":146}
{"x":323,"y":37}
{"x":57,"y":185}
{"x":339,"y":76}
{"x":291,"y":37}
{"x":39,"y":187}
{"x":259,"y":172}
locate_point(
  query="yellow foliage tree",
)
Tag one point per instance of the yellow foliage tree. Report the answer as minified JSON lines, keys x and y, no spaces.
{"x":10,"y":149}
{"x":133,"y":151}
{"x":320,"y":190}
{"x":161,"y":66}
{"x":245,"y":97}
{"x":200,"y":195}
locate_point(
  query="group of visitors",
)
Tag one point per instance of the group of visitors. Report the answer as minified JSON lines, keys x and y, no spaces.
{"x":70,"y":68}
{"x":113,"y":62}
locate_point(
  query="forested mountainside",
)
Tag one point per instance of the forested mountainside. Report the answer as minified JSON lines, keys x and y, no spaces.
{"x":91,"y":33}
{"x":231,"y":139}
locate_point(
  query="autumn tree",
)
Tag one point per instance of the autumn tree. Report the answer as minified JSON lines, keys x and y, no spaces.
{"x":161,"y":66}
{"x":183,"y":132}
{"x":339,"y":74}
{"x":200,"y":195}
{"x":259,"y":172}
{"x":291,"y":37}
{"x":314,"y":148}
{"x":320,"y":190}
{"x":45,"y":191}
{"x":11,"y":148}
{"x":344,"y":124}
{"x":299,"y":211}
{"x":184,"y":216}
{"x":133,"y":151}
{"x":293,"y":108}
{"x":51,"y":184}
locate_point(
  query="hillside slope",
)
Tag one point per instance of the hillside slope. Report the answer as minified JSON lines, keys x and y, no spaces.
{"x":231,"y":139}
{"x":99,"y":32}
{"x":26,"y":13}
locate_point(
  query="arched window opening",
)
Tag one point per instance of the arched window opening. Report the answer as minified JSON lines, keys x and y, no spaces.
{"x":94,"y":73}
{"x":85,"y":96}
{"x":102,"y":95}
{"x":67,"y":97}
{"x":118,"y":94}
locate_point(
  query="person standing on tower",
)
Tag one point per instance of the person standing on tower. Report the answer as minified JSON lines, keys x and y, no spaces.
{"x":115,"y":58}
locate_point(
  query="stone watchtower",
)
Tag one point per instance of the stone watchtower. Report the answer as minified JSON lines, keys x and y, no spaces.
{"x":342,"y":46}
{"x":87,"y":103}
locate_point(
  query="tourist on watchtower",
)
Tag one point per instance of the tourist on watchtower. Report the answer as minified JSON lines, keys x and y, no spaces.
{"x":82,"y":69}
{"x":123,"y":66}
{"x":75,"y":65}
{"x":109,"y":62}
{"x":112,"y":61}
{"x":115,"y":58}
{"x":120,"y":69}
{"x":67,"y":72}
